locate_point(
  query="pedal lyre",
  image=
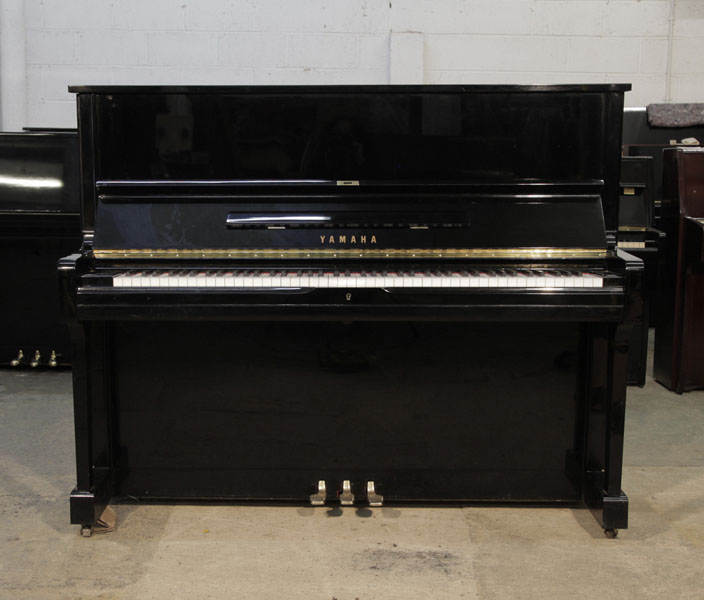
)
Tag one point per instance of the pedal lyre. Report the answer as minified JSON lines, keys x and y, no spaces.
{"x":346,"y":496}
{"x":373,"y":498}
{"x":319,"y":498}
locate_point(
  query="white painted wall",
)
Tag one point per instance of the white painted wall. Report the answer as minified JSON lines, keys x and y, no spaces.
{"x":344,"y":41}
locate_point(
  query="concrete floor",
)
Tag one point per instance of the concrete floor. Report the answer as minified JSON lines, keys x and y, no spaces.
{"x":174,"y":552}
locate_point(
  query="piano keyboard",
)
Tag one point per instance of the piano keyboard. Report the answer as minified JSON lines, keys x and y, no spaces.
{"x":321,"y":278}
{"x":623,"y":244}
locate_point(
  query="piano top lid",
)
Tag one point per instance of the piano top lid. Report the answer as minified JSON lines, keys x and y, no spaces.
{"x":347,"y":89}
{"x":378,"y":133}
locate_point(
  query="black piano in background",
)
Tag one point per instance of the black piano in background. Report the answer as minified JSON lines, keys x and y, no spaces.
{"x":351,"y":295}
{"x":642,"y":139}
{"x":39,"y":223}
{"x":679,"y":333}
{"x":637,"y":236}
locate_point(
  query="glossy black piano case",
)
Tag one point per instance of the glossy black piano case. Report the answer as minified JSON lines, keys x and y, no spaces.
{"x":39,"y":223}
{"x":506,"y":396}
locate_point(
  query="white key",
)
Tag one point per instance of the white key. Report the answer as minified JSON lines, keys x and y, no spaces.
{"x":182,"y":279}
{"x":591,"y":280}
{"x":442,"y":281}
{"x":275,"y":279}
{"x":573,"y":281}
{"x":200,"y":277}
{"x":247,"y":280}
{"x":129,"y":279}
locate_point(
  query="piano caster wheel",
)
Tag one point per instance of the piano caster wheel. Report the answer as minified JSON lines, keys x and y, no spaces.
{"x":346,"y":496}
{"x":52,"y":359}
{"x":611,"y":533}
{"x":16,"y":362}
{"x":86,"y":530}
{"x":318,"y":499}
{"x":35,"y":361}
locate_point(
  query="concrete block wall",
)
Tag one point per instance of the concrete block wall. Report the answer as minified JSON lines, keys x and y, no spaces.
{"x":553,"y":41}
{"x":688,"y":51}
{"x":350,"y":41}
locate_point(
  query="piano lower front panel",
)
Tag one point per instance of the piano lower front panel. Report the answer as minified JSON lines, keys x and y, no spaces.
{"x":429,"y":411}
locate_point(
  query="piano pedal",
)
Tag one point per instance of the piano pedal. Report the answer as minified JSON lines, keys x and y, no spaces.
{"x":52,"y":359}
{"x":346,"y":496}
{"x":35,"y":361}
{"x":319,"y":498}
{"x":16,"y":362}
{"x":373,"y":498}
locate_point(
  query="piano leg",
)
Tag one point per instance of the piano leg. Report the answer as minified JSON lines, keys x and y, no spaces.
{"x":94,"y":485}
{"x":606,"y":415}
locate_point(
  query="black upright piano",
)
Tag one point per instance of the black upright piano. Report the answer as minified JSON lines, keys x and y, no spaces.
{"x":351,"y":296}
{"x":39,"y":223}
{"x":638,"y":237}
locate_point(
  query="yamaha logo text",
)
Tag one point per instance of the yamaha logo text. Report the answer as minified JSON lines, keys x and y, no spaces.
{"x":345,"y":239}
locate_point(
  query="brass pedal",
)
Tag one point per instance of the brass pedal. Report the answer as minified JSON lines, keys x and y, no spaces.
{"x":16,"y":362}
{"x":346,"y":496}
{"x":52,"y":359}
{"x":319,"y":498}
{"x":36,"y":359}
{"x":373,"y":498}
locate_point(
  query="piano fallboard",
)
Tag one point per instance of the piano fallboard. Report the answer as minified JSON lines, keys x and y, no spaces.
{"x":355,"y":224}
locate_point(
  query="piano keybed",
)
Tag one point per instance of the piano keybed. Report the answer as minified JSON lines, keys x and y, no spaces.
{"x":357,"y":278}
